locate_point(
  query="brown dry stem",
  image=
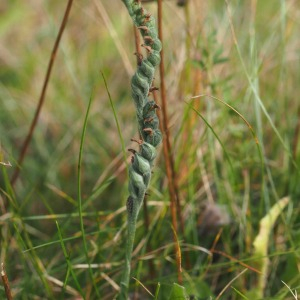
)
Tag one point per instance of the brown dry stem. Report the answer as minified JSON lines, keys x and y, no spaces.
{"x":5,"y":283}
{"x":167,"y":149}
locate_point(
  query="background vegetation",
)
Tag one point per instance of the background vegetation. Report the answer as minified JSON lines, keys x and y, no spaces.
{"x":228,"y":178}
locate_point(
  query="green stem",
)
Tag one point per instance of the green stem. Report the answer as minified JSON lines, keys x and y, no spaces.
{"x":85,"y":248}
{"x":131,"y":228}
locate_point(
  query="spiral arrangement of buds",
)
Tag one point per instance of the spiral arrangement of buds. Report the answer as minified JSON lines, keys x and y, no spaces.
{"x":142,"y":160}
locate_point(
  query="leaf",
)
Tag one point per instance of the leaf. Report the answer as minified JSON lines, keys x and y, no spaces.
{"x":178,"y":293}
{"x":266,"y":224}
{"x":219,"y":60}
{"x":199,"y":64}
{"x":261,"y":244}
{"x":218,"y":52}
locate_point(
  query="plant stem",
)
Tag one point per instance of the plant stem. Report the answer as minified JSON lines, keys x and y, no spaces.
{"x":148,"y":123}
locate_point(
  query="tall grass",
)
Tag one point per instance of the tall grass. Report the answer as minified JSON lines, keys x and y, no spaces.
{"x":244,"y":53}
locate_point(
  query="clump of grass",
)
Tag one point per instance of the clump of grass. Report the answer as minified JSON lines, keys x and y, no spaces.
{"x":216,"y":159}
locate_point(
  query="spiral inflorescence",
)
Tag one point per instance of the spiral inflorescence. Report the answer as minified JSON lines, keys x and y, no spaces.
{"x":142,"y":160}
{"x":141,"y":84}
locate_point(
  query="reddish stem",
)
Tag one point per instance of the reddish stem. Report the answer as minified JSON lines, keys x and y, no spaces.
{"x":174,"y":197}
{"x":5,"y":283}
